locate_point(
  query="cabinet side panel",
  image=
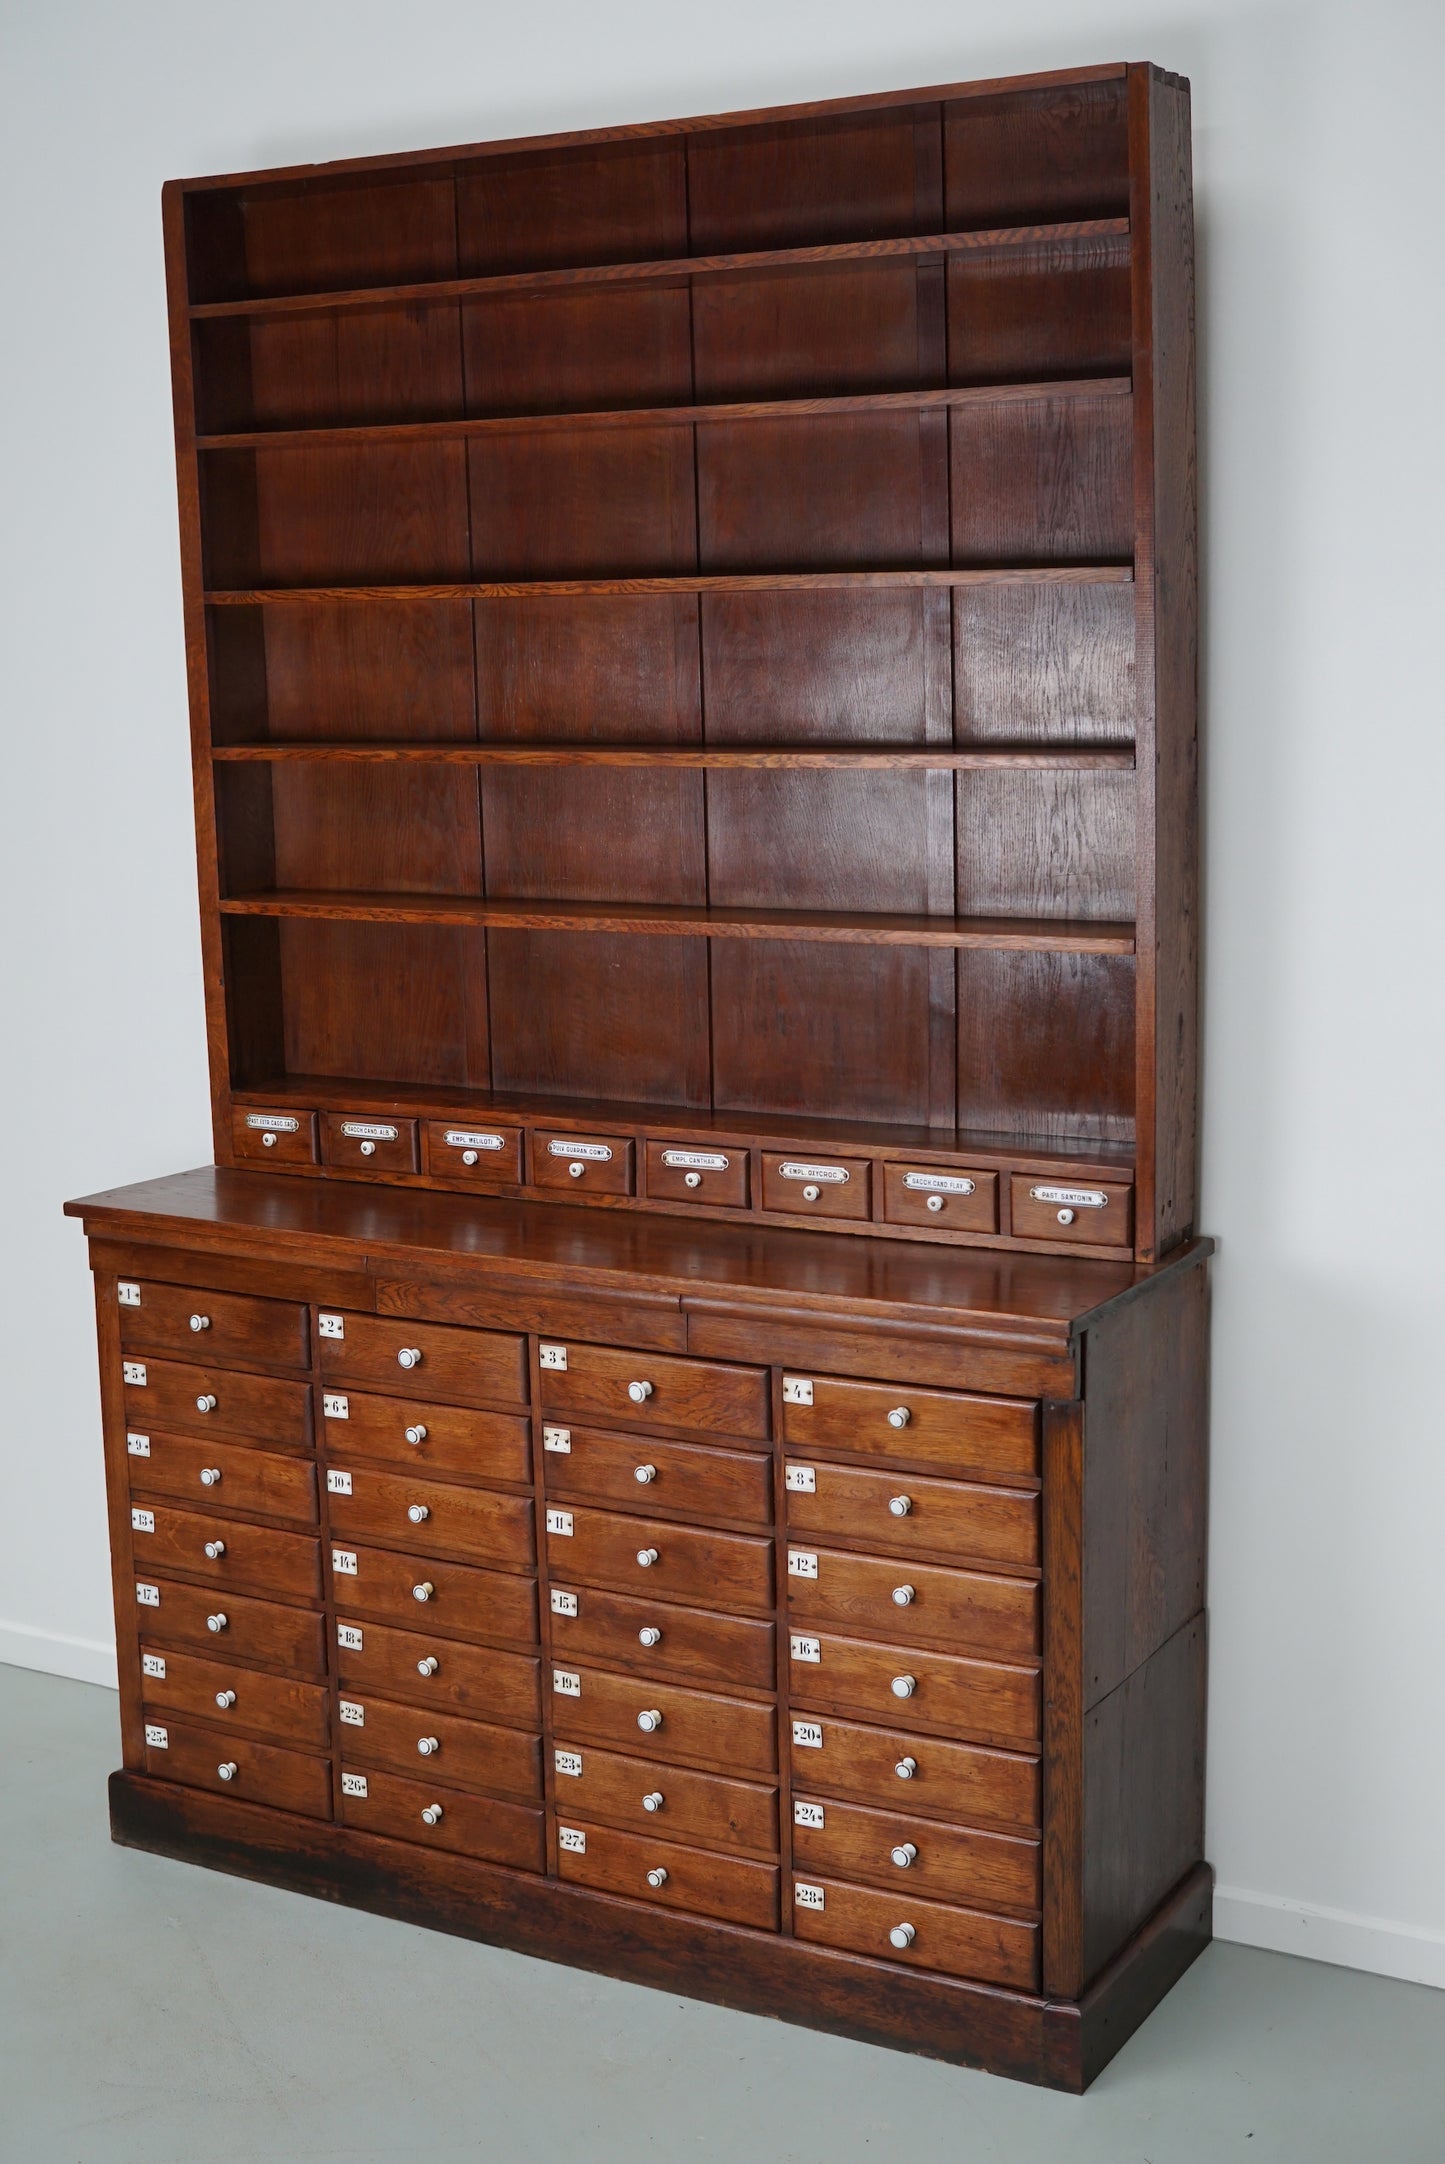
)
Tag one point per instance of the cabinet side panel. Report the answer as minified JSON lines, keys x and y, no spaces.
{"x":117,"y":1489}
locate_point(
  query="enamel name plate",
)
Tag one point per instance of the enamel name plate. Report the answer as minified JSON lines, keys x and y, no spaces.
{"x":801,"y":1564}
{"x":153,"y":1664}
{"x":566,"y":1683}
{"x":353,"y":1714}
{"x":273,"y":1123}
{"x":563,"y":1603}
{"x":127,"y":1292}
{"x":821,"y":1175}
{"x":331,"y":1326}
{"x":335,"y":1407}
{"x":572,"y":1839}
{"x":797,"y":1390}
{"x":937,"y":1183}
{"x":349,"y":1635}
{"x":1074,"y":1198}
{"x":459,"y":1138}
{"x":343,"y":1562}
{"x":338,"y":1483}
{"x":807,"y":1897}
{"x":808,"y":1814}
{"x":138,"y":1446}
{"x":560,"y":1521}
{"x":157,"y":1738}
{"x":696,"y":1160}
{"x":148,"y":1596}
{"x":353,"y":1784}
{"x":369,"y":1130}
{"x":806,"y":1649}
{"x":800,"y":1480}
{"x":808,"y":1735}
{"x":569,"y":1762}
{"x":596,"y":1153}
{"x":559,"y":1439}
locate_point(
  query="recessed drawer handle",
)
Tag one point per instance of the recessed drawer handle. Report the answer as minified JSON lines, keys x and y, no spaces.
{"x":409,"y":1356}
{"x":647,"y":1557}
{"x":200,"y":1322}
{"x":225,"y":1700}
{"x":899,"y":1417}
{"x":902,"y":1936}
{"x":206,"y":1403}
{"x":649,"y":1721}
{"x":900,"y":1505}
{"x":431,"y":1814}
{"x":228,"y":1769}
{"x":639,"y":1392}
{"x":903,"y":1596}
{"x":418,"y":1513}
{"x":215,"y":1549}
{"x":905,"y":1854}
{"x":645,"y":1473}
{"x":210,"y":1476}
{"x":906,"y":1768}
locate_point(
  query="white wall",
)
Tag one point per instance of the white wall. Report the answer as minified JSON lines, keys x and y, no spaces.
{"x":1318,"y":177}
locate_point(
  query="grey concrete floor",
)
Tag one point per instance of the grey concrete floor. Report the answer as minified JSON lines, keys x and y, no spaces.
{"x":152,"y":2013}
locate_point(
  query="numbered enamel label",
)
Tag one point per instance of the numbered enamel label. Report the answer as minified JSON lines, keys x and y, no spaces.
{"x":352,"y":1714}
{"x":566,"y":1683}
{"x":331,"y":1325}
{"x":128,"y":1292}
{"x":335,"y":1407}
{"x":572,"y":1839}
{"x":807,"y":1649}
{"x":153,"y":1664}
{"x":349,"y":1635}
{"x":353,"y":1784}
{"x":808,"y":1814}
{"x":338,"y":1483}
{"x":563,"y":1603}
{"x":801,"y":1480}
{"x":806,"y":1896}
{"x":552,"y":1356}
{"x":801,"y":1564}
{"x":147,"y":1596}
{"x":343,"y":1562}
{"x":808,"y":1735}
{"x":142,"y":1521}
{"x":559,"y":1439}
{"x":569,"y":1762}
{"x":560,"y":1521}
{"x":797,"y":1390}
{"x":134,"y":1372}
{"x":138,"y":1446}
{"x":157,"y":1738}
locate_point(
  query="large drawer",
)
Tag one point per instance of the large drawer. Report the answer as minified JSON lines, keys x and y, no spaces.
{"x":650,"y":1638}
{"x":234,"y":1766}
{"x":224,"y":1327}
{"x":226,"y":1551}
{"x":232,"y":1696}
{"x":910,"y":1514}
{"x":654,"y":1389}
{"x":465,"y":1754}
{"x":962,"y":1782}
{"x":679,"y":1562}
{"x":942,"y":1693}
{"x":444,"y":1818}
{"x":476,"y":1524}
{"x":910,"y":1600}
{"x":730,"y":1887}
{"x":233,"y":1624}
{"x":209,"y":1472}
{"x":462,"y":1367}
{"x":663,"y":1719}
{"x":923,"y":1934}
{"x":945,"y":1429}
{"x":216,"y":1401}
{"x":434,"y":1438}
{"x":908,"y":1854}
{"x":480,"y":1681}
{"x":693,"y":1479}
{"x":649,"y":1796}
{"x":455,"y":1599}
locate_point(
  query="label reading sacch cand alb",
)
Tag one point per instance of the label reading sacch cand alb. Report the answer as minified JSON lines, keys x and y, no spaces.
{"x":369,"y":1131}
{"x":127,"y":1292}
{"x":142,"y":1521}
{"x":134,"y":1372}
{"x":797,"y":1390}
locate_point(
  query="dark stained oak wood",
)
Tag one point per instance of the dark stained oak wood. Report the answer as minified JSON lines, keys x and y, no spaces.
{"x":720,"y":1487}
{"x":911,"y":1601}
{"x":1084,"y":759}
{"x":692,"y":1646}
{"x":429,"y":1437}
{"x":959,"y":1520}
{"x":463,"y":1367}
{"x":638,"y":1555}
{"x":265,"y":1633}
{"x":217,"y":1475}
{"x":482,"y":1682}
{"x":233,"y":1765}
{"x":731,"y":1887}
{"x":227,"y":1327}
{"x":956,"y":1781}
{"x":460,"y":1753}
{"x":206,"y":1400}
{"x":366,"y":594}
{"x":273,"y":1707}
{"x":247,"y":1558}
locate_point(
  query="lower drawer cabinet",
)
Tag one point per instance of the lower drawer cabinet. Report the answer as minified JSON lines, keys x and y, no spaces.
{"x":232,"y":1624}
{"x":480,"y":1681}
{"x":958,"y":1781}
{"x":938,"y":1692}
{"x":232,"y":1766}
{"x":730,"y":1887}
{"x":470,"y":1754}
{"x":901,"y":1852}
{"x":652,"y":1638}
{"x":233,"y":1696}
{"x":228,"y":1473}
{"x":438,"y":1817}
{"x":454,"y":1599}
{"x":650,"y":1797}
{"x":477,"y":1524}
{"x":664,"y":1720}
{"x":924,"y":1934}
{"x":228,"y":1552}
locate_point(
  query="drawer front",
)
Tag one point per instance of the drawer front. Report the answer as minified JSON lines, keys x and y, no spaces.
{"x":907,"y":1600}
{"x":940,"y":1428}
{"x":465,"y":1754}
{"x":1094,"y":1213}
{"x":698,"y":1172}
{"x":433,"y":1438}
{"x":267,"y":1135}
{"x":837,"y":1187}
{"x":360,"y":1142}
{"x":463,"y":1367}
{"x":476,"y":1524}
{"x":648,"y":1797}
{"x":232,"y":1766}
{"x":690,"y":1478}
{"x":582,"y":1164}
{"x":952,"y":1941}
{"x":482,"y":1156}
{"x":229,"y":1695}
{"x":455,"y":1599}
{"x":729,"y":1887}
{"x":193,"y":1471}
{"x":712,"y":1395}
{"x":944,"y":1200}
{"x":909,"y":1514}
{"x":232,"y":1625}
{"x":933,"y":1691}
{"x":221,"y":1326}
{"x":479,"y":1681}
{"x":651,"y":1638}
{"x":679,"y":1562}
{"x":680,"y":1725}
{"x":208,"y":1401}
{"x":255,"y":1558}
{"x":956,"y":1781}
{"x":444,"y":1818}
{"x":906,"y":1854}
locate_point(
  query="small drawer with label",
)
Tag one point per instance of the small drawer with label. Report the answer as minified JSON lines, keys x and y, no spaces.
{"x":235,"y":1697}
{"x":817,"y":1187}
{"x":226,"y":1551}
{"x":908,"y":1600}
{"x":948,"y":1430}
{"x":268,"y":1136}
{"x":358,"y":1142}
{"x":467,"y":1754}
{"x":924,"y":1934}
{"x":690,"y":1478}
{"x":215,"y":1401}
{"x":240,"y":1479}
{"x":481,"y":1682}
{"x":440,"y":1817}
{"x":962,"y":1782}
{"x":942,"y":1200}
{"x":907,"y":1854}
{"x":235,"y":1625}
{"x":662,"y":1719}
{"x":695,"y":1172}
{"x":731,"y":1888}
{"x":391,"y":1353}
{"x":678,"y":1562}
{"x":234,"y":1766}
{"x":215,"y":1326}
{"x":433,"y":1437}
{"x":909,"y":1514}
{"x":581,"y":1164}
{"x":1089,"y":1213}
{"x":477,"y":1525}
{"x":649,"y":1389}
{"x":480,"y":1156}
{"x":991,"y":1701}
{"x":651,"y":1638}
{"x":651,"y":1796}
{"x":455,"y":1600}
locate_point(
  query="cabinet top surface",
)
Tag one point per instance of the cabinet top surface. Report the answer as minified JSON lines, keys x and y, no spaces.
{"x":1040,"y":1296}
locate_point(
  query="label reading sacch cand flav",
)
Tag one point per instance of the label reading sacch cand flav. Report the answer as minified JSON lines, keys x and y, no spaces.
{"x":1073,"y":1198}
{"x":937,"y":1183}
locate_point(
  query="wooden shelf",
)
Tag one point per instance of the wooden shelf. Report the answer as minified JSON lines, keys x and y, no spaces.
{"x":670,"y":416}
{"x":679,"y":921}
{"x":869,"y":758}
{"x":695,"y":582}
{"x":995,"y":239}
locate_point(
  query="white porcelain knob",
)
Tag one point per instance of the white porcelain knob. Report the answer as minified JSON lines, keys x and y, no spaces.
{"x":647,"y":1557}
{"x":427,"y":1665}
{"x":228,"y":1769}
{"x":657,"y":1877}
{"x":431,"y":1814}
{"x":906,"y":1768}
{"x":903,"y":1686}
{"x":649,"y":1721}
{"x":225,"y":1700}
{"x":903,"y":1596}
{"x":469,"y":1157}
{"x":1066,"y":1217}
{"x":428,"y":1746}
{"x":206,"y":1403}
{"x":899,"y":1417}
{"x":900,"y":1505}
{"x":368,"y":1149}
{"x":210,"y":1475}
{"x":934,"y":1202}
{"x":418,"y":1513}
{"x":646,"y":1474}
{"x":692,"y":1179}
{"x":576,"y":1170}
{"x":639,"y":1392}
{"x":215,"y":1549}
{"x":811,"y":1193}
{"x":216,"y":1622}
{"x":268,"y":1142}
{"x":649,"y":1635}
{"x":200,"y":1322}
{"x":424,"y":1591}
{"x":409,"y":1357}
{"x":904,"y":1855}
{"x":654,"y":1801}
{"x":416,"y":1433}
{"x":901,"y":1936}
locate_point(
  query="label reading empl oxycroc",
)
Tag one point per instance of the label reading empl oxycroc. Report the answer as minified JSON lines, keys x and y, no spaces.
{"x":335,"y":1407}
{"x":819,"y":1175}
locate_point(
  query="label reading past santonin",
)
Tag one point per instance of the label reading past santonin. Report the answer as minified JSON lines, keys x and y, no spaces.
{"x":1074,"y":1198}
